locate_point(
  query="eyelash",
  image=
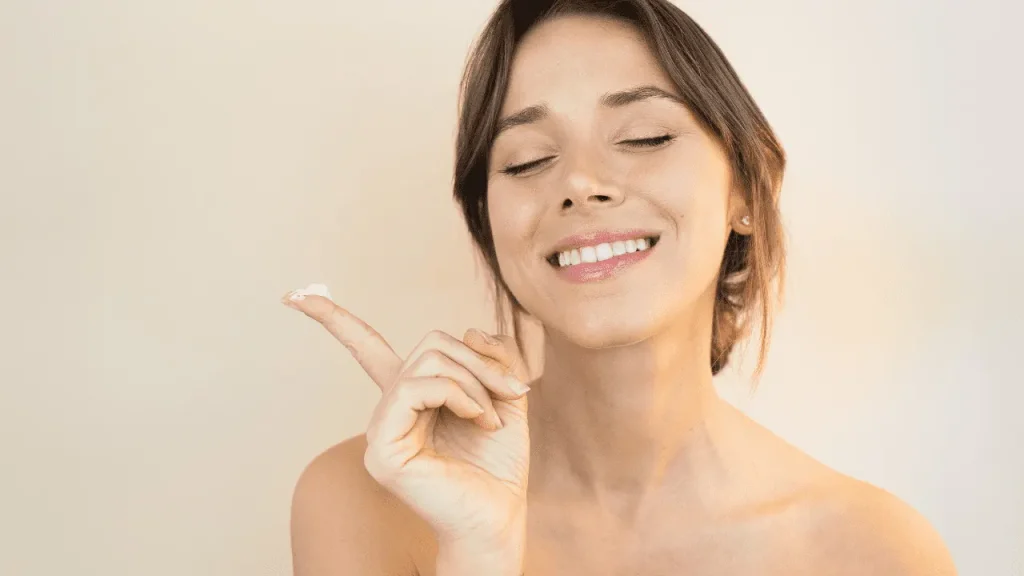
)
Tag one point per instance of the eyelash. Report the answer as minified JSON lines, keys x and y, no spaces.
{"x":638,"y":143}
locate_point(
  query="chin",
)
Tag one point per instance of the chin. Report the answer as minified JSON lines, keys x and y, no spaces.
{"x":595,"y":330}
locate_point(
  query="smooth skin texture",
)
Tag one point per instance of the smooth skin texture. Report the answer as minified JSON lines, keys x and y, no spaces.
{"x":636,"y":466}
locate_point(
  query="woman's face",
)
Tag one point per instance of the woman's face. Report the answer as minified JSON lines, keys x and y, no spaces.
{"x":595,"y":144}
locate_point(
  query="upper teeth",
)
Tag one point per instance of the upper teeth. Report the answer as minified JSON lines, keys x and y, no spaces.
{"x":602,"y":251}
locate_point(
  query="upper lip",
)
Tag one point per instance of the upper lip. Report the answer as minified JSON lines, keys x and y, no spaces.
{"x":595,"y":237}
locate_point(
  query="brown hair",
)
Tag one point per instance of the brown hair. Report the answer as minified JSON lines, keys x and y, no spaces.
{"x":721,"y":104}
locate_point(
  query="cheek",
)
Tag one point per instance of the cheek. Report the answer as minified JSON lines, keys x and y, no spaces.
{"x":691,"y":188}
{"x":704,"y":170}
{"x":512,"y":216}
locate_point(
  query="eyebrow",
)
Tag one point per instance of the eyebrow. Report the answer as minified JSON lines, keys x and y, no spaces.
{"x":538,"y":112}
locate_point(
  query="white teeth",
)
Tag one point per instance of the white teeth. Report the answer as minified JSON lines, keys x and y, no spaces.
{"x":588,"y":254}
{"x":602,"y":252}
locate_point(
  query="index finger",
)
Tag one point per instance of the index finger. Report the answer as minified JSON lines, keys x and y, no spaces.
{"x":367,"y":346}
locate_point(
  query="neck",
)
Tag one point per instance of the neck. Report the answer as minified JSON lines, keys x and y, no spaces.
{"x":616,"y":424}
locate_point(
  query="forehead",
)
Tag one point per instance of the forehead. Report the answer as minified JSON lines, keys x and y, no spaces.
{"x":577,"y":56}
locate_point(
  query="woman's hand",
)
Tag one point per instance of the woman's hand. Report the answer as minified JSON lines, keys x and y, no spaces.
{"x":463,"y":469}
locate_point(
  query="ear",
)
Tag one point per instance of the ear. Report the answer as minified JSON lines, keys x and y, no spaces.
{"x":740,"y":219}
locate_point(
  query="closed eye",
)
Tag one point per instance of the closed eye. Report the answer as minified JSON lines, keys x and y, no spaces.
{"x":649,"y":142}
{"x":520,"y":168}
{"x":636,"y":143}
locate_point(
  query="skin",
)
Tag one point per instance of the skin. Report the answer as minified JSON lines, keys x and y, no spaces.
{"x":635,"y":465}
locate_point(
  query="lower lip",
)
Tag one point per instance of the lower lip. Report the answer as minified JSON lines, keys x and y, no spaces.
{"x":603,"y":270}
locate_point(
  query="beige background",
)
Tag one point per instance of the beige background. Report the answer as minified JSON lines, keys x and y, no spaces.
{"x":169,"y":169}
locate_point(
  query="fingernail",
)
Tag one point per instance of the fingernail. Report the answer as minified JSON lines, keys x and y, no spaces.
{"x":288,"y":298}
{"x":517,"y":386}
{"x":477,"y":408}
{"x":495,"y":421}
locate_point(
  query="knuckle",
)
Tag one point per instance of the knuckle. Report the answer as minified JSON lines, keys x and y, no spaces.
{"x":434,"y":355}
{"x":432,"y":360}
{"x":437,"y":335}
{"x":450,"y":385}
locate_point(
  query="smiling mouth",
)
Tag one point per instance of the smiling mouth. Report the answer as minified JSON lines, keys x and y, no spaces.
{"x":601,"y":252}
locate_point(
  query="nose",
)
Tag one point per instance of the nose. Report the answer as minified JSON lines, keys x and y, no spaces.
{"x":588,"y":188}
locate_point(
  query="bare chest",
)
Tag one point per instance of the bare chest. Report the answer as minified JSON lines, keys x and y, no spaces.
{"x":776,"y":544}
{"x":689,"y":556}
{"x":572,"y":546}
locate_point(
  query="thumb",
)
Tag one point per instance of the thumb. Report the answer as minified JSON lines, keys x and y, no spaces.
{"x":501,"y":348}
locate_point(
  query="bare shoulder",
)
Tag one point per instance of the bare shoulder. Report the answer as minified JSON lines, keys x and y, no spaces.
{"x":845,"y":526}
{"x":344,"y":522}
{"x":863,"y":529}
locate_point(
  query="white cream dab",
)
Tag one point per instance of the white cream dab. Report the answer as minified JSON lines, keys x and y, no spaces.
{"x":311,"y":290}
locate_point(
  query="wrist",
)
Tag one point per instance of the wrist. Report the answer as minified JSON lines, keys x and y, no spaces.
{"x":476,"y":560}
{"x":500,"y":553}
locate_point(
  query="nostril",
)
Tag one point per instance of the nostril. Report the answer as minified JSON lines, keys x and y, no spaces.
{"x":567,"y":203}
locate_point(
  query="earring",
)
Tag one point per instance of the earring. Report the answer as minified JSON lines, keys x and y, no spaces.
{"x":745,"y":220}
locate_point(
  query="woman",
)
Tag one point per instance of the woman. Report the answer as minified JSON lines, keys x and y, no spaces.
{"x":622,"y":186}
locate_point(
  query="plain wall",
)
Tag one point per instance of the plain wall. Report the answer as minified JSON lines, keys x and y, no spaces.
{"x":170,"y":169}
